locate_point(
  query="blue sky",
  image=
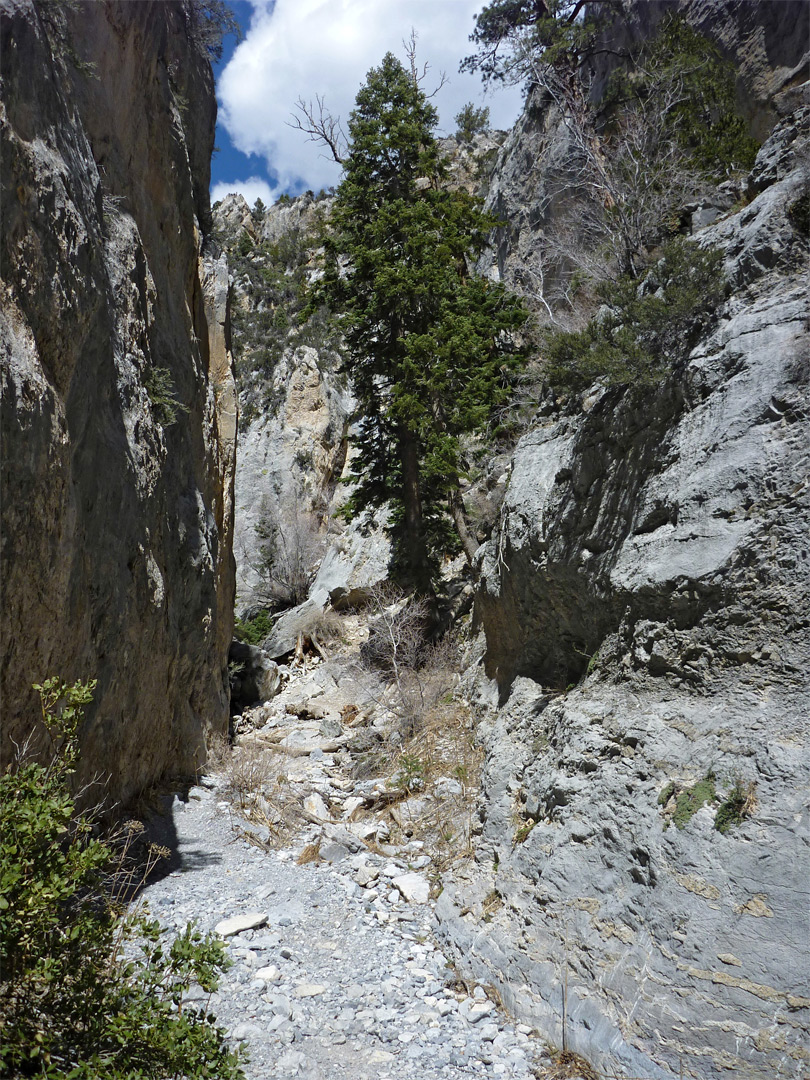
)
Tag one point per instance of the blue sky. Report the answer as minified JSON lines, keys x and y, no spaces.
{"x":302,"y":48}
{"x":229,"y":163}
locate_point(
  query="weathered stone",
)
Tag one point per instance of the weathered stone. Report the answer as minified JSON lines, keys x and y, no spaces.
{"x":639,"y":598}
{"x":116,"y":519}
{"x":314,"y":805}
{"x":356,"y":563}
{"x":414,"y":887}
{"x":281,"y":483}
{"x":270,"y":974}
{"x":309,"y":990}
{"x":237,"y":924}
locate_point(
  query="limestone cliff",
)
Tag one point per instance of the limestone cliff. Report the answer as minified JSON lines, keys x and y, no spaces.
{"x":118,"y":404}
{"x":767,"y":42}
{"x":643,"y":605}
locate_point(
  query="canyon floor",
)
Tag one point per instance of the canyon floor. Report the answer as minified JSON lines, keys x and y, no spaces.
{"x":322,"y":879}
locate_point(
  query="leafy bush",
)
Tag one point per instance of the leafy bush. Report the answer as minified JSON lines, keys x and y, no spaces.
{"x":253,"y":631}
{"x":703,"y":116}
{"x":209,"y":22}
{"x":75,"y":1003}
{"x":737,"y":806}
{"x":646,"y":328}
{"x":688,"y":800}
{"x":470,"y":122}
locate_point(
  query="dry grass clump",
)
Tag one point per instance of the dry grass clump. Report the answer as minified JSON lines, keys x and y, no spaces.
{"x":568,"y":1066}
{"x":256,"y":783}
{"x":437,"y":771}
{"x":415,"y":672}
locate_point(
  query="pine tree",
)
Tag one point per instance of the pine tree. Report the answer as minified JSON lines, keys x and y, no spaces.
{"x":430,"y":347}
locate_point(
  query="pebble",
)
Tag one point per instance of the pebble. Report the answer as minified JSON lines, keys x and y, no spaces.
{"x":339,"y":977}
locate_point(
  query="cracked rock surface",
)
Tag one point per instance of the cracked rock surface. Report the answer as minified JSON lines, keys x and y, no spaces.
{"x":644,"y":604}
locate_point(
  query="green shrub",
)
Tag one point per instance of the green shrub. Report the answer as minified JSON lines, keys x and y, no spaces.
{"x":646,"y":327}
{"x":210,"y":21}
{"x":736,"y":807}
{"x":690,"y":800}
{"x":703,"y":116}
{"x":411,"y":775}
{"x":471,"y":122}
{"x":666,"y":793}
{"x":253,"y":631}
{"x":75,"y":1003}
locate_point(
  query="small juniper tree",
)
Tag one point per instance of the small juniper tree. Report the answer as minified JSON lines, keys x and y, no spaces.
{"x":210,"y":21}
{"x":430,"y":347}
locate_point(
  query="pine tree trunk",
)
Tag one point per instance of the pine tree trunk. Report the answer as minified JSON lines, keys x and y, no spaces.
{"x":416,"y":552}
{"x":468,"y":541}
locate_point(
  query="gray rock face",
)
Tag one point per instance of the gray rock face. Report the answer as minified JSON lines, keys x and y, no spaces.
{"x":356,"y":561}
{"x":290,"y":462}
{"x":116,"y":526}
{"x":766,"y":40}
{"x":654,"y":551}
{"x":295,"y":451}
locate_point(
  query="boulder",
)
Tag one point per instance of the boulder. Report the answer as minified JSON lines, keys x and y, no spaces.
{"x":256,"y":677}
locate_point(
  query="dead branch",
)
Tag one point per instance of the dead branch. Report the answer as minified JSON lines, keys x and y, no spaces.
{"x":418,"y":77}
{"x":321,"y":127}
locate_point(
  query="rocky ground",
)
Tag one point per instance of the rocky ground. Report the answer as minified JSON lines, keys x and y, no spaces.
{"x":323,"y":881}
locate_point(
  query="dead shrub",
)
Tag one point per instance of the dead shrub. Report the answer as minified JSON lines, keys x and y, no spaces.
{"x":247,"y":771}
{"x":417,"y":672}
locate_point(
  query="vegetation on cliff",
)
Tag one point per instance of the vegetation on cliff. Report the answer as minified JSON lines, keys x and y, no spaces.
{"x":656,"y":130}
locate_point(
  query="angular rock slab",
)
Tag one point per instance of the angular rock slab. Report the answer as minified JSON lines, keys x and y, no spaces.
{"x":237,"y":924}
{"x":414,"y":888}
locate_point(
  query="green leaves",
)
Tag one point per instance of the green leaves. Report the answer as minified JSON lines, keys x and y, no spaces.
{"x":702,"y":115}
{"x":470,"y":122}
{"x":646,"y":328}
{"x":71,"y":1006}
{"x":514,"y":36}
{"x":163,"y":398}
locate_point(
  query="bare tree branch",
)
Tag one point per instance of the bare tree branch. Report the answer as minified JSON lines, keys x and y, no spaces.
{"x":321,"y":127}
{"x":418,"y":77}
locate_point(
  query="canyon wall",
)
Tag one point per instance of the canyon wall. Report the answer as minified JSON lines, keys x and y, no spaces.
{"x":644,"y":644}
{"x":118,"y":402}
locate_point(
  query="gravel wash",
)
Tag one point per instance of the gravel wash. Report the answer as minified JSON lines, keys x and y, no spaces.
{"x":335,"y":980}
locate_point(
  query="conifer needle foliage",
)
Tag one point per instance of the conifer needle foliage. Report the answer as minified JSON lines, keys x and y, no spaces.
{"x":644,"y":330}
{"x":431,"y":349}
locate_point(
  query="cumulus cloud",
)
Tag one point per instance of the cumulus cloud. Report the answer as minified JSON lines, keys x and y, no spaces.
{"x":302,"y":48}
{"x":253,"y":188}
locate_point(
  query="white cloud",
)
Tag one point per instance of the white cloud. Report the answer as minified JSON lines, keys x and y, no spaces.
{"x":253,"y":188}
{"x":300,"y":48}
